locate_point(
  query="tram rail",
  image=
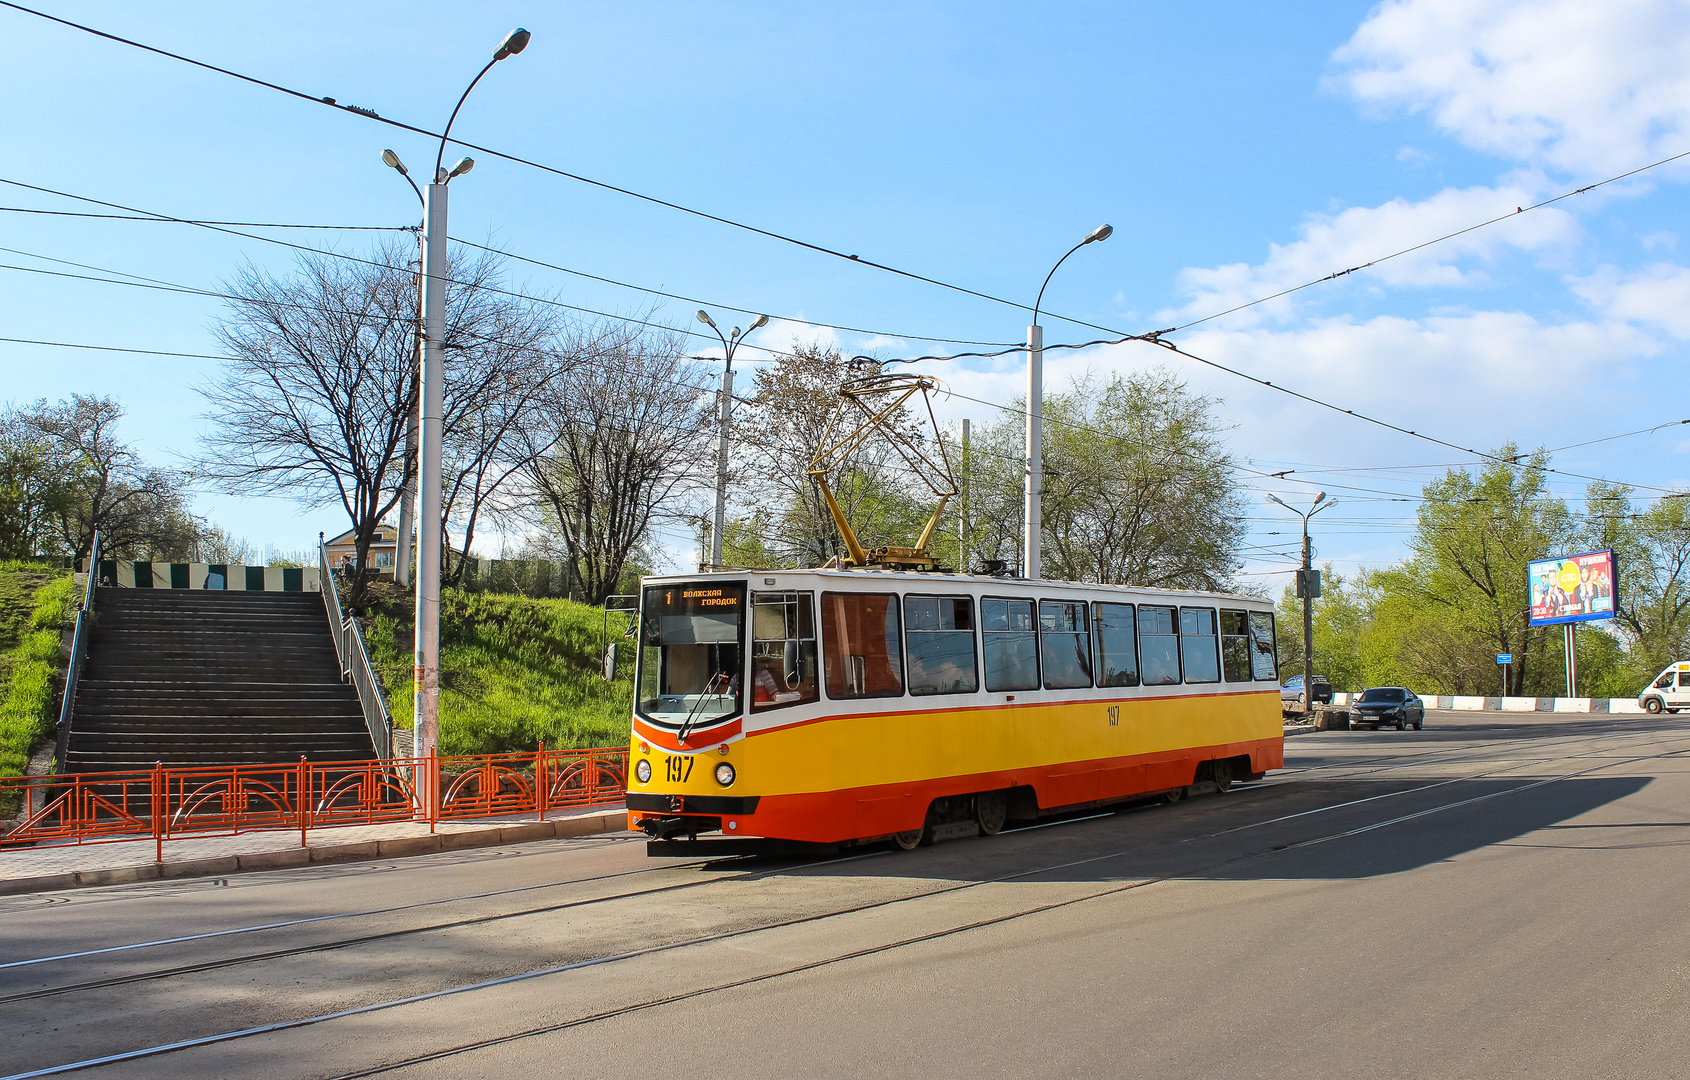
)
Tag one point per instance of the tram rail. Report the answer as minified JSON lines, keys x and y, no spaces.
{"x":1256,"y":852}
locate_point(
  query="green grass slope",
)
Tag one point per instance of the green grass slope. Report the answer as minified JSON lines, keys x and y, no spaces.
{"x":514,"y":672}
{"x":34,"y":605}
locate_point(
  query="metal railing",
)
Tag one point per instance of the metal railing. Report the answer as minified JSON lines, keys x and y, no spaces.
{"x":376,"y":716}
{"x":78,"y":649}
{"x":354,"y":659}
{"x":176,"y":803}
{"x":331,"y":606}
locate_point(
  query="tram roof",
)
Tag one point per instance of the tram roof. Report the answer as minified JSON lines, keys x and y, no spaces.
{"x":985,"y":582}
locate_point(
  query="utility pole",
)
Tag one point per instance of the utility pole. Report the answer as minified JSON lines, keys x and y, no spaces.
{"x":724,"y":404}
{"x":408,"y":496}
{"x":1033,"y":511}
{"x":962,"y":508}
{"x":425,"y":676}
{"x":1308,"y":587}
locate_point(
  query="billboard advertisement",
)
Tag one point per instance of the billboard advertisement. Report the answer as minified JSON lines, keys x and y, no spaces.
{"x":1573,"y":588}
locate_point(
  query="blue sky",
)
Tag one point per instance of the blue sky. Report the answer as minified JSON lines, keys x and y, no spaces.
{"x":1237,"y":148}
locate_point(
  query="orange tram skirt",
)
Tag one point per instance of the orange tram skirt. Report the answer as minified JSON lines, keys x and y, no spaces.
{"x":882,"y":810}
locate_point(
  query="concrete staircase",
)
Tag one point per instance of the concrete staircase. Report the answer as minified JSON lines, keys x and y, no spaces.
{"x":202,"y":677}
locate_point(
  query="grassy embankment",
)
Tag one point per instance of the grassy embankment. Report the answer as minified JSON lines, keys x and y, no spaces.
{"x":35,"y":603}
{"x":514,"y":672}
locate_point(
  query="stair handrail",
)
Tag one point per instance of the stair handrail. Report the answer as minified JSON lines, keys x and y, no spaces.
{"x":354,"y":659}
{"x":331,"y":604}
{"x":78,"y":649}
{"x":376,"y":716}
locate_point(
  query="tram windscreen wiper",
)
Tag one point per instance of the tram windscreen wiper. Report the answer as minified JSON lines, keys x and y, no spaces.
{"x":712,"y":689}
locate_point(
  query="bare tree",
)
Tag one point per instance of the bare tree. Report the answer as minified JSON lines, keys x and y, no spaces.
{"x":621,"y":438}
{"x":319,"y":384}
{"x":778,"y":435}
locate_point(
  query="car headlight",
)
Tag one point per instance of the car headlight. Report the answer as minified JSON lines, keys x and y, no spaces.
{"x":643,"y":771}
{"x":725,"y":774}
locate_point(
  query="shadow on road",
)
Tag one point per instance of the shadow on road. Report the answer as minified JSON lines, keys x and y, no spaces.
{"x":1232,"y":837}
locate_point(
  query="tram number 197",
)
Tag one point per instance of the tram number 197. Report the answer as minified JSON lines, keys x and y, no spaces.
{"x":1114,"y":716}
{"x":679,"y":769}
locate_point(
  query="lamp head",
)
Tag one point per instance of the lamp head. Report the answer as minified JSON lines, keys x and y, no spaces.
{"x":734,"y":333}
{"x":704,"y":317}
{"x":464,"y":165}
{"x":391,"y":160}
{"x":1102,"y":232}
{"x":515,"y":42}
{"x":1318,"y":499}
{"x":762,"y":320}
{"x":1275,"y":498}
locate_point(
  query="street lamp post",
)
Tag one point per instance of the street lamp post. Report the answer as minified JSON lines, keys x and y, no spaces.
{"x":1034,"y":517}
{"x":724,"y":414}
{"x":1308,"y":589}
{"x":426,"y":672}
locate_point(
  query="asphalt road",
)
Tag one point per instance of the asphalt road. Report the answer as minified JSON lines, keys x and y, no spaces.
{"x":1494,"y":896}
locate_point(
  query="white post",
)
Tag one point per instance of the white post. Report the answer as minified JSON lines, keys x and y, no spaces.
{"x":726,"y":416}
{"x":1572,"y":662}
{"x":1034,"y":521}
{"x":407,"y":511}
{"x":426,"y":676}
{"x":962,"y":515}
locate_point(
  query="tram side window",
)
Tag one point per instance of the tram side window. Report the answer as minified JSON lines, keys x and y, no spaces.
{"x":861,"y":642}
{"x":1197,"y":645}
{"x":1117,"y":645}
{"x":1158,"y":645}
{"x":1264,"y":650}
{"x":939,"y":636}
{"x":1065,"y":644}
{"x":1012,"y":645}
{"x":1235,"y":646}
{"x":783,"y":650}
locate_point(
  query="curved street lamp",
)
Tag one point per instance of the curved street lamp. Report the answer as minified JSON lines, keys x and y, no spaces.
{"x":724,"y":410}
{"x":426,"y":675}
{"x":1033,"y":515}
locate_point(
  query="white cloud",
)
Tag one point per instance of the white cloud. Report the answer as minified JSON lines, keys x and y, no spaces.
{"x":1658,"y":295}
{"x":1333,"y":243}
{"x":1587,"y":88}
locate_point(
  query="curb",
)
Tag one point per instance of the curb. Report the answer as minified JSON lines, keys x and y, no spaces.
{"x":610,"y":821}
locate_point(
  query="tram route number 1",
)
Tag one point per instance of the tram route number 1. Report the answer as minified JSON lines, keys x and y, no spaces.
{"x":679,"y":769}
{"x":1114,"y":716}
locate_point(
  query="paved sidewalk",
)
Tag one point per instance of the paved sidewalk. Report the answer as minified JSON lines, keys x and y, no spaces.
{"x":67,"y":866}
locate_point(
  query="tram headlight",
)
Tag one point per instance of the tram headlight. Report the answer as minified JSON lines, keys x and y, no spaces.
{"x":643,"y":771}
{"x":725,"y":774}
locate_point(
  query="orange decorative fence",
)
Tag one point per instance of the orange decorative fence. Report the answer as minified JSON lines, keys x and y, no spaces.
{"x":172,"y":803}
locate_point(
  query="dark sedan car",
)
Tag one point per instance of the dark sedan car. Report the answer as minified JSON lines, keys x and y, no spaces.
{"x":1381,"y":705}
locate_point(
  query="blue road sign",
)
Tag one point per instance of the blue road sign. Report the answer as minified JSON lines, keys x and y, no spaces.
{"x":1505,"y":658}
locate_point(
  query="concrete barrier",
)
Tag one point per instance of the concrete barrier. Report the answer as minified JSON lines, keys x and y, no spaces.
{"x":1462,"y":703}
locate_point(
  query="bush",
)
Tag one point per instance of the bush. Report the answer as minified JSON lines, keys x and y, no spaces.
{"x":514,"y":672}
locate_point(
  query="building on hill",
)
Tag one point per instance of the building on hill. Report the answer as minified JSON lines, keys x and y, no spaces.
{"x":384,"y":551}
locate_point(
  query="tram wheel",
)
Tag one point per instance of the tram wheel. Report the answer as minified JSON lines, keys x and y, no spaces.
{"x":1173,"y":796}
{"x":991,"y":809}
{"x":1223,"y":775}
{"x":910,"y":840}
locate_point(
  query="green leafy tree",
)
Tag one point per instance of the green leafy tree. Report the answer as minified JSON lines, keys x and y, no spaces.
{"x":1139,"y":488}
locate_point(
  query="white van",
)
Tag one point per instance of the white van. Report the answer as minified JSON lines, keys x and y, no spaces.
{"x":1669,"y":691}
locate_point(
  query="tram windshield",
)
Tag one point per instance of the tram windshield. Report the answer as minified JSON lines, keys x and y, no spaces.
{"x":691,"y":641}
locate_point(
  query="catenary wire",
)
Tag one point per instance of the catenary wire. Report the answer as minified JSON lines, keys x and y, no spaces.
{"x":1153,"y":336}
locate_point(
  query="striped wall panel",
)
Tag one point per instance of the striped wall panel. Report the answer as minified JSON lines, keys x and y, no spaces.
{"x":150,"y":575}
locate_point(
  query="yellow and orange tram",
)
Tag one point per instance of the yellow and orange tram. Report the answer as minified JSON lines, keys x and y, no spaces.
{"x":840,"y":706}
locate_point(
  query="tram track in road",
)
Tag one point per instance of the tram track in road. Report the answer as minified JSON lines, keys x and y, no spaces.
{"x":391,"y":935}
{"x":812,"y":918}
